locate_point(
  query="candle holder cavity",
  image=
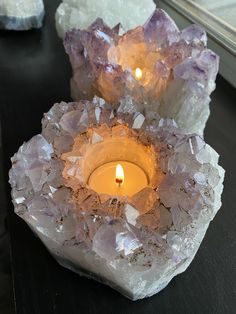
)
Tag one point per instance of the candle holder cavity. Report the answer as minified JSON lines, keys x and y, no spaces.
{"x":160,"y":67}
{"x":104,"y":144}
{"x":135,"y":243}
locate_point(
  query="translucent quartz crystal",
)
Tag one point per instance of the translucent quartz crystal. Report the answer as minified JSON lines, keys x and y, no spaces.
{"x":81,"y":13}
{"x":21,"y":14}
{"x":134,"y":244}
{"x":157,"y":66}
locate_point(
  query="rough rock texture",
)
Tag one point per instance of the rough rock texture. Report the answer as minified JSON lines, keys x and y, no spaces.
{"x":21,"y":14}
{"x":136,"y":245}
{"x":160,"y":67}
{"x":81,"y":13}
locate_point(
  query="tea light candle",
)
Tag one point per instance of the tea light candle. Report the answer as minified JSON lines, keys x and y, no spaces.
{"x":121,"y":178}
{"x":138,"y":74}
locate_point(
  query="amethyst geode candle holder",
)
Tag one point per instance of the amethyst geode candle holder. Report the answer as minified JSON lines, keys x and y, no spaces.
{"x":138,"y":243}
{"x":160,"y":67}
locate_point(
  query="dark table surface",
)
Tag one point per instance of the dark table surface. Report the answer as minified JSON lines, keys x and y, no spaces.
{"x":34,"y":74}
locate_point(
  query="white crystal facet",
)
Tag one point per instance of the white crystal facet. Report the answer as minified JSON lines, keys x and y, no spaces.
{"x":81,"y":13}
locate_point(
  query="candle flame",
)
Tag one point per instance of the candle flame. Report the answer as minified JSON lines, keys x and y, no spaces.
{"x":138,"y":74}
{"x":119,"y":175}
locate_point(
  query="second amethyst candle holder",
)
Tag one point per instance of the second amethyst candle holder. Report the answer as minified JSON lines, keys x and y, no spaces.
{"x":158,"y":66}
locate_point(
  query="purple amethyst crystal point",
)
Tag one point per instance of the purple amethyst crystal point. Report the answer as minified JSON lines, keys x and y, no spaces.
{"x":182,"y":190}
{"x":193,"y":82}
{"x":160,"y":29}
{"x":92,"y":44}
{"x":88,"y":50}
{"x":209,"y":62}
{"x":74,"y":47}
{"x":114,"y":239}
{"x":195,"y":35}
{"x":74,"y":121}
{"x":97,"y":40}
{"x":201,"y":70}
{"x":33,"y":159}
{"x":134,"y":243}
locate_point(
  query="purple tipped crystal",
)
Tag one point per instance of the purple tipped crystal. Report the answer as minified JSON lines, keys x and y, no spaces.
{"x":195,"y":35}
{"x":179,"y":190}
{"x":199,"y":71}
{"x":160,"y":29}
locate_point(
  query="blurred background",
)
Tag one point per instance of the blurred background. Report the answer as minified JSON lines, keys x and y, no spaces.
{"x":223,"y":9}
{"x":6,"y":293}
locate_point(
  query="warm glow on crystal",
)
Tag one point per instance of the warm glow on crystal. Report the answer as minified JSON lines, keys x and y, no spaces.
{"x":138,"y":73}
{"x":119,"y":175}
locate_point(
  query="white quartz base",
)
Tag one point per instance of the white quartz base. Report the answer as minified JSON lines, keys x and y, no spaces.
{"x":130,"y":282}
{"x":81,"y":13}
{"x":21,"y":14}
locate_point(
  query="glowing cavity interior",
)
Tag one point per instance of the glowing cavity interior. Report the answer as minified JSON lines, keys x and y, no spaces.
{"x":103,"y":145}
{"x":144,"y":61}
{"x":119,"y":177}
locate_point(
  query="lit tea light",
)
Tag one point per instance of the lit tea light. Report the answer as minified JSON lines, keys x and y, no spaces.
{"x":119,"y":175}
{"x":138,"y":74}
{"x":113,"y":178}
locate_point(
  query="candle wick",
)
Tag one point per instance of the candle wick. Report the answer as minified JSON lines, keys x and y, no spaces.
{"x":119,"y":182}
